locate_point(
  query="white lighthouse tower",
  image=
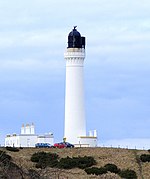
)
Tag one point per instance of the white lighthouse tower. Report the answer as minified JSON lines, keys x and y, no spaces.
{"x":74,"y":98}
{"x":75,"y":123}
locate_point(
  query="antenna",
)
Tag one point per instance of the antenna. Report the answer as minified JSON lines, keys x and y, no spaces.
{"x":75,"y":26}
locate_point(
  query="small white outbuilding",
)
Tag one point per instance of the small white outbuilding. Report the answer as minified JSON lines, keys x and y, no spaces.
{"x":28,"y":138}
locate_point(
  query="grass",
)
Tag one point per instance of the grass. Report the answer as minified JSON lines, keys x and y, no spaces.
{"x":122,"y":158}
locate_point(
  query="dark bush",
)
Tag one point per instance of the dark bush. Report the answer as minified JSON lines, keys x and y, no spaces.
{"x":8,"y":168}
{"x":99,"y":171}
{"x":86,"y":161}
{"x":145,"y":158}
{"x":67,"y":163}
{"x":44,"y":159}
{"x":2,"y":175}
{"x":37,"y":156}
{"x":112,"y":168}
{"x":13,"y":149}
{"x":96,"y":171}
{"x":33,"y":174}
{"x":128,"y":174}
{"x":148,"y":150}
{"x":76,"y":162}
{"x":46,"y":162}
{"x":4,"y":157}
{"x":12,"y":166}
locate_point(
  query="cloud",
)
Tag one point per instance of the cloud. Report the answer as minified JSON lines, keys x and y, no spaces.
{"x":41,"y":38}
{"x":33,"y":37}
{"x":31,"y":64}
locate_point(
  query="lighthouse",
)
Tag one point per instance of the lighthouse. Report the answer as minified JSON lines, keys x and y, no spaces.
{"x":75,"y":125}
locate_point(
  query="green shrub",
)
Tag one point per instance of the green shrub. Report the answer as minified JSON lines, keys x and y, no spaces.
{"x":37,"y":156}
{"x":112,"y":168}
{"x":96,"y":171}
{"x":128,"y":174}
{"x":67,"y":163}
{"x":4,"y":158}
{"x":145,"y":158}
{"x":43,"y":163}
{"x":99,"y":171}
{"x":76,"y":162}
{"x":8,"y":166}
{"x":86,"y":161}
{"x":33,"y":174}
{"x":13,"y":149}
{"x":44,"y":159}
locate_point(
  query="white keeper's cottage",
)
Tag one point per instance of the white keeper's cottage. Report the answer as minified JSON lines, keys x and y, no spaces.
{"x":28,"y":138}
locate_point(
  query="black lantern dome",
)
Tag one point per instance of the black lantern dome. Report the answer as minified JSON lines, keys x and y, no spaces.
{"x":75,"y":40}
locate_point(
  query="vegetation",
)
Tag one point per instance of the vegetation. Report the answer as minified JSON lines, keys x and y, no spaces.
{"x":4,"y":158}
{"x":112,"y":168}
{"x":96,"y":170}
{"x":7,"y":167}
{"x":13,"y":149}
{"x":145,"y":158}
{"x":33,"y":174}
{"x":108,"y":161}
{"x":44,"y":159}
{"x":76,"y":162}
{"x":99,"y":171}
{"x":128,"y":174}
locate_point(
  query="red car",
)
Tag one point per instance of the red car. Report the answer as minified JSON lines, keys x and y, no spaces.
{"x":60,"y":145}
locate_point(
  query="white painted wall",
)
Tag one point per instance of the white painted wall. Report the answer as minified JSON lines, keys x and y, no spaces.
{"x":32,"y":129}
{"x":28,"y":138}
{"x":28,"y":129}
{"x":23,"y":129}
{"x":46,"y":139}
{"x":75,"y":125}
{"x":12,"y":141}
{"x":21,"y":141}
{"x":90,"y":141}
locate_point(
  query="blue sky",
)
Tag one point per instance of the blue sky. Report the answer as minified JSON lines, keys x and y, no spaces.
{"x":33,"y":38}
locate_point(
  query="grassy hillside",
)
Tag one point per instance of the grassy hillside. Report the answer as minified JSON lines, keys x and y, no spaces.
{"x":123,"y":158}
